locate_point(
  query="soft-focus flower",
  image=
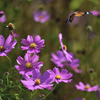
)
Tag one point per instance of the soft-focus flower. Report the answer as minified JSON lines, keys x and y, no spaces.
{"x":95,"y":12}
{"x":6,"y":46}
{"x":79,"y":98}
{"x":41,"y":16}
{"x":29,"y":64}
{"x":98,"y":93}
{"x":15,"y":34}
{"x":37,"y":81}
{"x":2,"y":17}
{"x":49,"y":88}
{"x":32,"y":45}
{"x":64,"y":49}
{"x":58,"y":77}
{"x":60,"y":60}
{"x":86,"y":87}
{"x":74,"y":64}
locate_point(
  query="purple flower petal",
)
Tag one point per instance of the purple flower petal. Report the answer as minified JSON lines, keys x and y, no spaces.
{"x":30,"y":38}
{"x":27,"y":56}
{"x":2,"y":40}
{"x":21,"y":61}
{"x":8,"y":40}
{"x":29,"y":82}
{"x":36,"y":74}
{"x":25,"y":42}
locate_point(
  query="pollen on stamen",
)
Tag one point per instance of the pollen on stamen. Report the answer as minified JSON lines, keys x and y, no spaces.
{"x":87,"y":87}
{"x":58,"y":77}
{"x":40,"y":17}
{"x":37,"y":81}
{"x":64,"y":47}
{"x":32,"y":45}
{"x":28,"y":65}
{"x":2,"y":48}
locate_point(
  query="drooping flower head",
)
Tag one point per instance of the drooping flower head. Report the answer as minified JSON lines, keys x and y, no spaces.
{"x":74,"y":64}
{"x":41,"y":16}
{"x":30,"y":63}
{"x":64,"y":49}
{"x":37,"y":81}
{"x":2,"y":17}
{"x":6,"y":46}
{"x":32,"y":45}
{"x":60,"y":60}
{"x":86,"y":87}
{"x":58,"y":77}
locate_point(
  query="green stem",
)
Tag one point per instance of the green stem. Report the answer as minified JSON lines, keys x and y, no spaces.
{"x":49,"y":92}
{"x":7,"y":81}
{"x":19,"y":93}
{"x":13,"y":34}
{"x":9,"y":61}
{"x":32,"y":94}
{"x":86,"y":95}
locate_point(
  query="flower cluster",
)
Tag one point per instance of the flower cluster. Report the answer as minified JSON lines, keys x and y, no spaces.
{"x":29,"y":66}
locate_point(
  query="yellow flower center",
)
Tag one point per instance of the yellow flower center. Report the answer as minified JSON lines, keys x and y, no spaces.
{"x":87,"y":87}
{"x":40,"y":17}
{"x":32,"y":45}
{"x":11,"y":26}
{"x":37,"y":81}
{"x":64,"y":47}
{"x":2,"y":48}
{"x":58,"y":77}
{"x":28,"y":65}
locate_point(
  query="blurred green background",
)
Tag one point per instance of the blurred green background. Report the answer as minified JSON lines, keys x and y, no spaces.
{"x":75,"y":37}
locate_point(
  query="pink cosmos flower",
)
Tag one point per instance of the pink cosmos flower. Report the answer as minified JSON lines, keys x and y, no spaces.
{"x":41,"y":16}
{"x":37,"y":81}
{"x":58,"y":77}
{"x":30,"y":63}
{"x":95,"y":12}
{"x":60,"y":60}
{"x":64,"y":49}
{"x":2,"y":17}
{"x":6,"y":46}
{"x":32,"y":45}
{"x":86,"y":87}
